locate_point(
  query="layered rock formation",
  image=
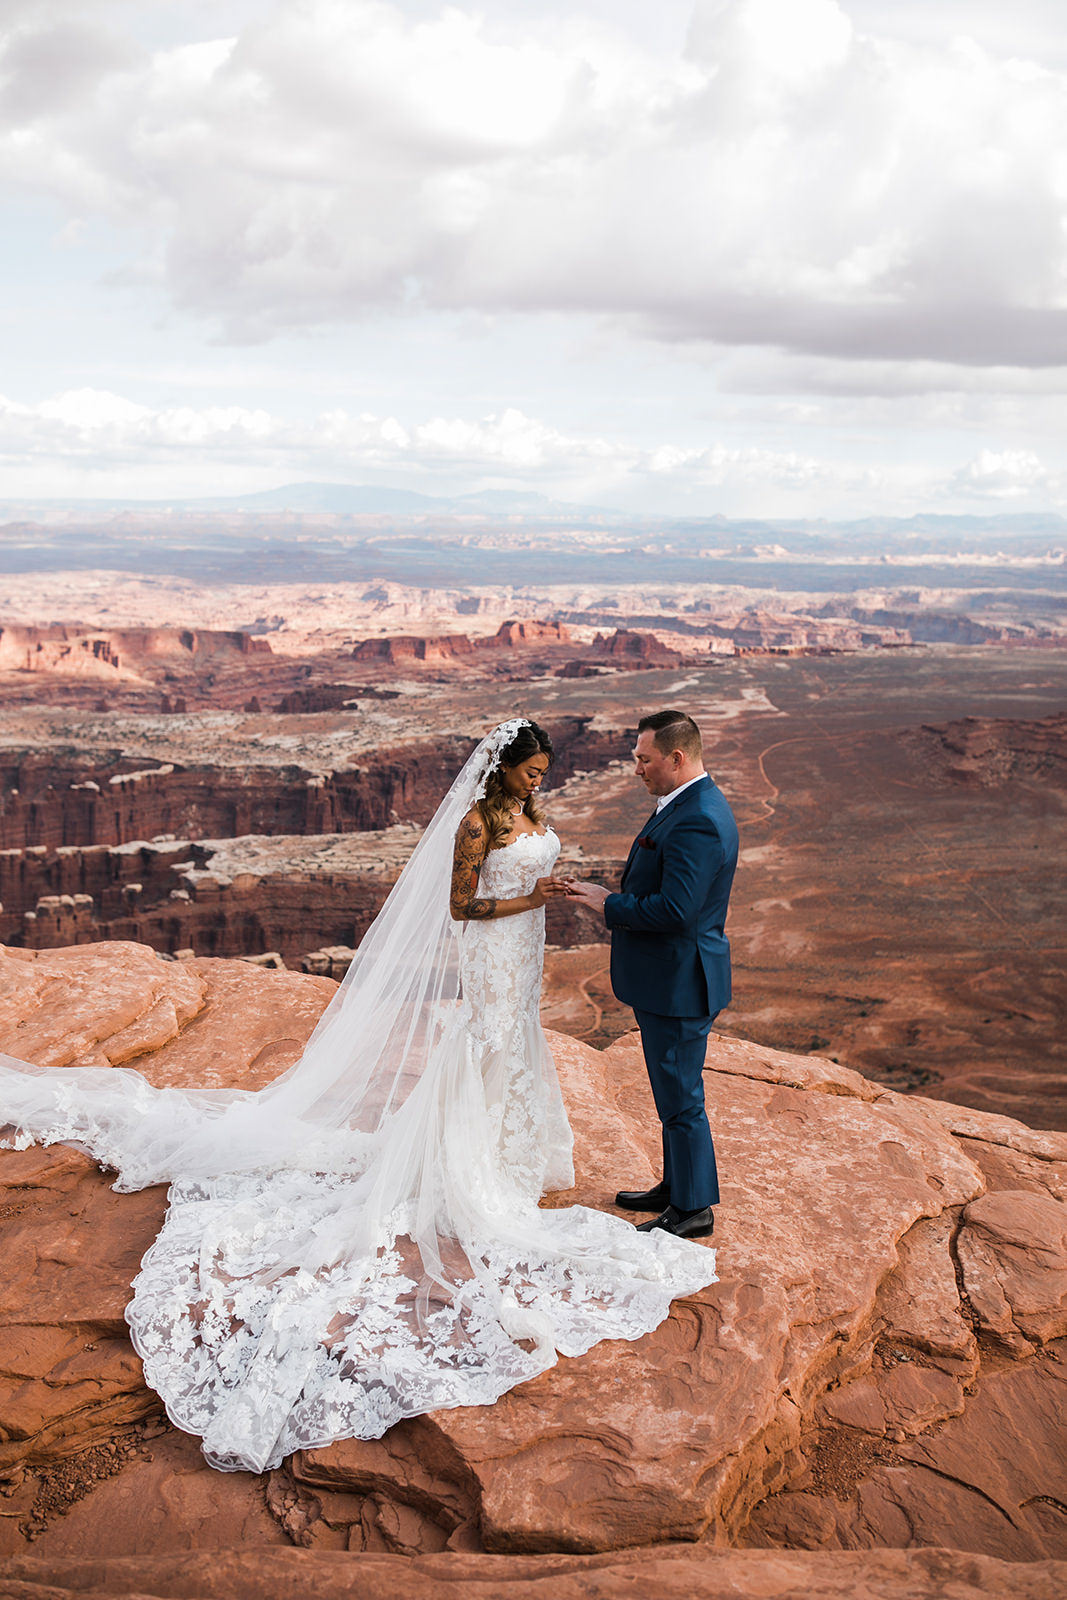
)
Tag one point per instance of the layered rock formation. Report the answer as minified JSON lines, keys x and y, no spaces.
{"x":671,"y":1571}
{"x":401,"y":649}
{"x":61,"y":651}
{"x":118,"y":653}
{"x":991,"y":752}
{"x":324,"y":697}
{"x":757,"y":628}
{"x":529,"y":631}
{"x":58,"y":799}
{"x":929,"y":626}
{"x":635,"y":649}
{"x":227,"y":897}
{"x":878,"y":1373}
{"x":57,"y":802}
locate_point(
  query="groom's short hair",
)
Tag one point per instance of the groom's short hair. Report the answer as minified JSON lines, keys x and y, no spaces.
{"x":673,"y":730}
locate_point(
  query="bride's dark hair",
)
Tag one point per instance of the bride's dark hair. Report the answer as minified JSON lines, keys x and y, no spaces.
{"x":497,"y":805}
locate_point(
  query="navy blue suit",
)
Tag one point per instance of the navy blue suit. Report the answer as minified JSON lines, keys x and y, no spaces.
{"x":670,"y":961}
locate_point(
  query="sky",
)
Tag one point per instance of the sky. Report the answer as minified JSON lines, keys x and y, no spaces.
{"x":751,"y":257}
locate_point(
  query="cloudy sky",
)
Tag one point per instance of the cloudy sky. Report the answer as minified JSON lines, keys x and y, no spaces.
{"x":770,"y":257}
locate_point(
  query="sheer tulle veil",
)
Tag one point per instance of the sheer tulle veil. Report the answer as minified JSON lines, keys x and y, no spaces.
{"x":369,"y":1052}
{"x":354,"y":1243}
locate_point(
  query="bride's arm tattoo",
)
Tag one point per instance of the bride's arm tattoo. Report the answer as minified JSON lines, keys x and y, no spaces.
{"x":467,"y":859}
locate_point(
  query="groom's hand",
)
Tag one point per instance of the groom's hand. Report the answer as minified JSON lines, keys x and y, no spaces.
{"x":592,"y":895}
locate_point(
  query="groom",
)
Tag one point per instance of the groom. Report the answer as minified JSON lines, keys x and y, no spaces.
{"x":670,"y":958}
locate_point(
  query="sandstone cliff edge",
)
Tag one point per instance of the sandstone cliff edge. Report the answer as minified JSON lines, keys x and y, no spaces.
{"x":871,"y":1400}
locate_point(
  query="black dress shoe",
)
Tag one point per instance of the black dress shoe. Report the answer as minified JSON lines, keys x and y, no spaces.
{"x":696,"y":1226}
{"x":644,"y":1199}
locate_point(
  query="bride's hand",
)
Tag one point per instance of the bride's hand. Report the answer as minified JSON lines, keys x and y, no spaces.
{"x":545,"y":889}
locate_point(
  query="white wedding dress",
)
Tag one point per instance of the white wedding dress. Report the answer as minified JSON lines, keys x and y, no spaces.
{"x":334,"y":1261}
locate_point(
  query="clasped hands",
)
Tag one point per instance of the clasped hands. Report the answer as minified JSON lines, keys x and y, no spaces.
{"x":592,"y":895}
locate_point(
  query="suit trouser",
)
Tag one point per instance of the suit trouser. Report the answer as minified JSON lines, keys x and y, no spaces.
{"x":674,"y":1049}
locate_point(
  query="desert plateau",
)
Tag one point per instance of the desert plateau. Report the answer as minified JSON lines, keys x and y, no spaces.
{"x":207,"y":788}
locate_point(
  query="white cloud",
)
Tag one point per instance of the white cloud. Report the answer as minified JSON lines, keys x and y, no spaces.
{"x":1003,"y":475}
{"x":91,"y":441}
{"x":49,"y":68}
{"x":789,"y":180}
{"x":86,"y":411}
{"x":104,"y":428}
{"x":758,"y":256}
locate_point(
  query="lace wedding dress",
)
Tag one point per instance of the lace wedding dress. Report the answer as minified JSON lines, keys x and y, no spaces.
{"x":362,"y":1241}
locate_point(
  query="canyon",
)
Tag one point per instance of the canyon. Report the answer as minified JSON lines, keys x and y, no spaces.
{"x":870,"y":921}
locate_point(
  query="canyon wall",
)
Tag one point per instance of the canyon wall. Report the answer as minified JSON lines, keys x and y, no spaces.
{"x":185,"y":895}
{"x":88,"y":853}
{"x":48,"y":801}
{"x":57,"y":800}
{"x":66,"y":648}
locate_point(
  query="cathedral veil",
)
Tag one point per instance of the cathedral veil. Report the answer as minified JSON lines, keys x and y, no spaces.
{"x":367,"y":1053}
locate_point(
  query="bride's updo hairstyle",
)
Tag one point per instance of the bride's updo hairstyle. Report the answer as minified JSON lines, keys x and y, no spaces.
{"x":497,"y":806}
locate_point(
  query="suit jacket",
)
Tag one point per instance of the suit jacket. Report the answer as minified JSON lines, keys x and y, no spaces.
{"x":669,"y":953}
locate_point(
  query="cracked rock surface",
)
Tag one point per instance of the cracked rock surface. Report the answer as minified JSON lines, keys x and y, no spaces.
{"x":871,"y":1400}
{"x":685,"y":1572}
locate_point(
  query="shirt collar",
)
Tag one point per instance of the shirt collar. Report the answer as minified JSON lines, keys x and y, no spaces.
{"x":665,"y":799}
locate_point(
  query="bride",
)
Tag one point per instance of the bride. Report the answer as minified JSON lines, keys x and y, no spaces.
{"x":361,"y":1240}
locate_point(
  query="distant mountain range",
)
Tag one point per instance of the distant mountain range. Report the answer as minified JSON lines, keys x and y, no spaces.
{"x":353,"y":499}
{"x":338,"y":499}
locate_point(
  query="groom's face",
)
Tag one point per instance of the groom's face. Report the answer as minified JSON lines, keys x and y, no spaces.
{"x":658,"y":772}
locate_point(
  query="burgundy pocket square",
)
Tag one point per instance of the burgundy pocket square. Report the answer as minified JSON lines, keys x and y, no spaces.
{"x":646,"y":843}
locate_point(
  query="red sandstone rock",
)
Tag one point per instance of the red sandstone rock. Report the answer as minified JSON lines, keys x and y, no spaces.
{"x":529,"y":631}
{"x":323,"y":697}
{"x":119,"y":1004}
{"x":404,"y":647}
{"x":98,"y":1006}
{"x":1013,"y":1252}
{"x":642,"y":648}
{"x":674,"y":1572}
{"x":401,"y":647}
{"x":827,"y":1391}
{"x":61,"y":651}
{"x":580,"y":669}
{"x":976,"y":1472}
{"x":755,"y":630}
{"x":70,"y":1376}
{"x":115,"y":654}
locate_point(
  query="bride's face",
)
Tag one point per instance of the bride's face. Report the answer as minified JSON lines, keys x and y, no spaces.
{"x":522,"y":781}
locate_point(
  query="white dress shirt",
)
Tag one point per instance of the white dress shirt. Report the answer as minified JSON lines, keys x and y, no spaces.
{"x":665,"y":799}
